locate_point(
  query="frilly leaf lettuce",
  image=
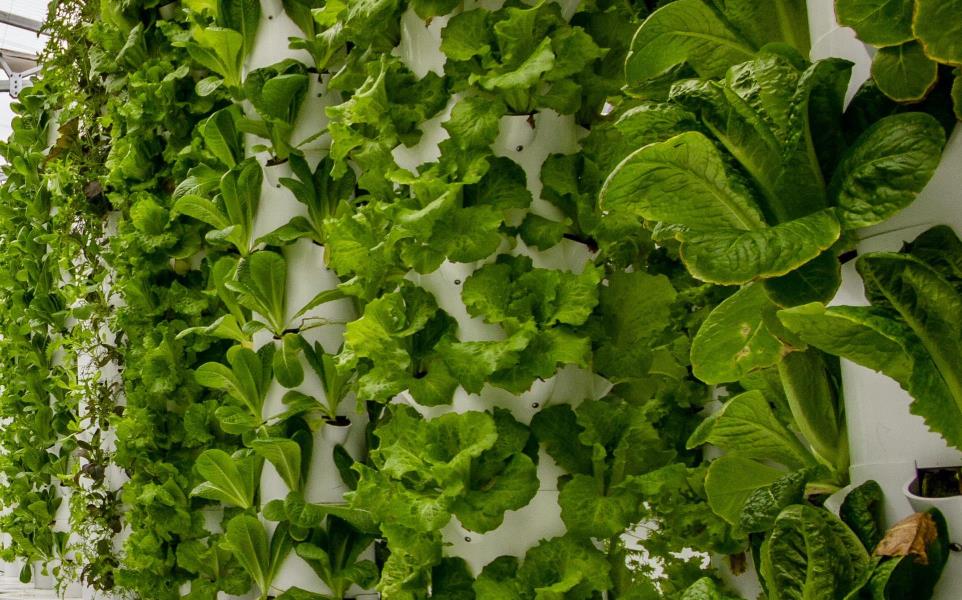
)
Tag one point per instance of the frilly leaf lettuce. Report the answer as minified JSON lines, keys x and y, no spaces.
{"x":471,"y":465}
{"x":386,"y":110}
{"x":598,"y":500}
{"x":530,"y":57}
{"x":561,"y":567}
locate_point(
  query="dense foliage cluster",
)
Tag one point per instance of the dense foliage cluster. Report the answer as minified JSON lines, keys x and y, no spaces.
{"x":293,"y":317}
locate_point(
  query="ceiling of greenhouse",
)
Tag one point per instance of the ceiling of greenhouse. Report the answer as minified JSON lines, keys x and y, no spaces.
{"x":18,"y":41}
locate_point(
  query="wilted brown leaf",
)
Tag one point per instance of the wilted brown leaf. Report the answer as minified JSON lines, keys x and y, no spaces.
{"x":910,"y":536}
{"x":738,"y":563}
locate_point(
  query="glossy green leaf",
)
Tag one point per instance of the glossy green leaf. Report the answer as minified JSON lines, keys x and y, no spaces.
{"x":228,"y":480}
{"x":747,"y":425}
{"x":877,"y":22}
{"x":682,"y":181}
{"x":686,"y":31}
{"x":816,"y":281}
{"x":730,"y":481}
{"x":285,"y":455}
{"x":875,"y":340}
{"x":287,"y":361}
{"x":886,"y":168}
{"x":732,"y":257}
{"x":736,"y":338}
{"x":765,"y":503}
{"x":810,"y":553}
{"x":261,"y":282}
{"x":863,"y":511}
{"x":247,"y":539}
{"x":937,"y":25}
{"x":904,"y":73}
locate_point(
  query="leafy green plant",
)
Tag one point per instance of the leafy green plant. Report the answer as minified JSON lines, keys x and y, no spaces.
{"x":334,"y":553}
{"x":793,"y":193}
{"x":277,"y":93}
{"x":288,"y":456}
{"x":336,"y":384}
{"x":231,"y":212}
{"x":325,"y":198}
{"x":528,"y":58}
{"x":908,"y":332}
{"x":230,"y":479}
{"x":555,"y":566}
{"x":245,"y":381}
{"x":215,"y":568}
{"x":472,"y":466}
{"x":916,"y":44}
{"x":709,"y":36}
{"x":221,"y":39}
{"x":260,"y":555}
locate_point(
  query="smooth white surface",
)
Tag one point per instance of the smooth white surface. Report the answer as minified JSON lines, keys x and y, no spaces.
{"x":522,"y":529}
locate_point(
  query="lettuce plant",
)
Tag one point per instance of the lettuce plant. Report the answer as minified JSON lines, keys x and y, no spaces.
{"x":245,"y":382}
{"x":795,"y":190}
{"x":277,"y":93}
{"x":261,"y":555}
{"x":706,"y":37}
{"x":231,"y":212}
{"x":908,"y":332}
{"x":221,"y":38}
{"x":472,"y":466}
{"x":529,"y":58}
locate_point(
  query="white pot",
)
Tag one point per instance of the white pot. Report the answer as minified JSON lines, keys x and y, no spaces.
{"x":40,"y":580}
{"x":420,"y":47}
{"x":747,"y":584}
{"x":521,"y":530}
{"x":277,"y":204}
{"x":324,"y":484}
{"x":830,"y":40}
{"x":73,"y":590}
{"x":568,"y":255}
{"x":951,"y":508}
{"x":522,"y":406}
{"x":529,"y":140}
{"x":294,"y":572}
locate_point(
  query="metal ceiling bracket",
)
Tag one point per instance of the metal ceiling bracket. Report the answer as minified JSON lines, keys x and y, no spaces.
{"x":20,"y":21}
